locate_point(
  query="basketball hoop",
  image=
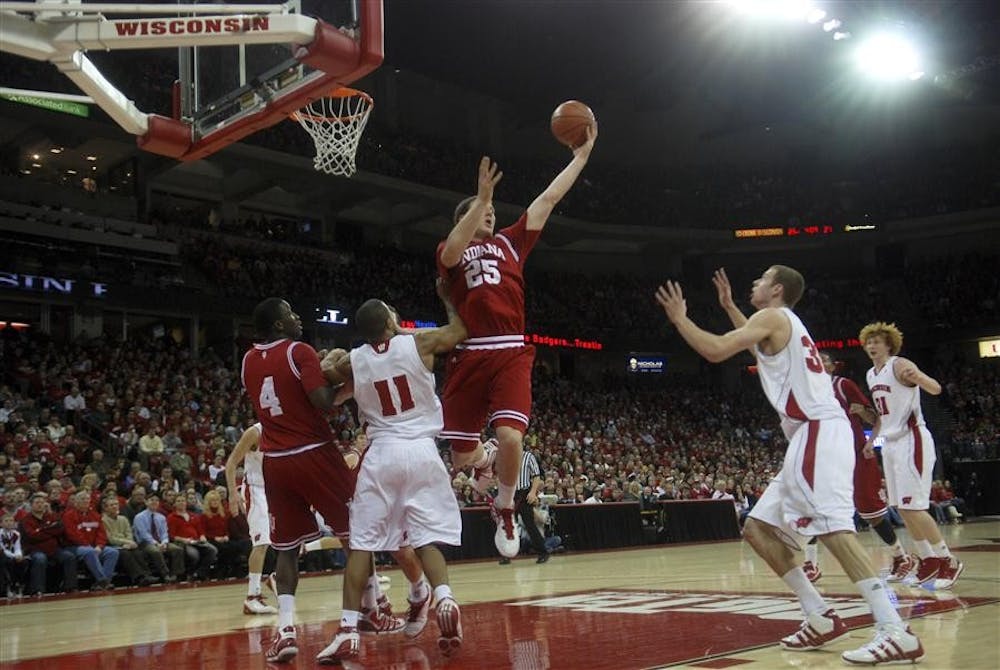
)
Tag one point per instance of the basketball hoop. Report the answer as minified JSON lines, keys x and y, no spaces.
{"x":335,"y":123}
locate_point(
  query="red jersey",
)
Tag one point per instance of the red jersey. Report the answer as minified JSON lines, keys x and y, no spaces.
{"x":84,"y":529}
{"x":847,"y":392}
{"x":487,"y":284}
{"x":278,"y":377}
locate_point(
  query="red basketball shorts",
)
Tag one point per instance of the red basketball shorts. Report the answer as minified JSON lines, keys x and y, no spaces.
{"x":868,"y":497}
{"x":486,"y":386}
{"x":298,"y":482}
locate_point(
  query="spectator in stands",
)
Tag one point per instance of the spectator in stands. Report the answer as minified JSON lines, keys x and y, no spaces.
{"x":119,"y":533}
{"x":42,"y":535}
{"x":13,"y":563}
{"x":136,"y":503}
{"x":231,"y":552}
{"x":151,"y":448}
{"x":86,"y":538}
{"x":187,"y":531}
{"x":151,"y":531}
{"x":98,"y":464}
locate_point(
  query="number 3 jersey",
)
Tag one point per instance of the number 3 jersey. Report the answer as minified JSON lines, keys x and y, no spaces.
{"x":278,"y":377}
{"x":795,"y":381}
{"x":487,"y":285}
{"x":395,"y":390}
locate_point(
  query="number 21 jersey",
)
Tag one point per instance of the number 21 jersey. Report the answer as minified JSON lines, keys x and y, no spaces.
{"x":487,"y":284}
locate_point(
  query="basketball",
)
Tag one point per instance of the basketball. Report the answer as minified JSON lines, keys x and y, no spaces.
{"x":570,"y":121}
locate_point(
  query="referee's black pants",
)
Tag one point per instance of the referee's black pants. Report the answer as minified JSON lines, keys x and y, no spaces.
{"x":526,"y":512}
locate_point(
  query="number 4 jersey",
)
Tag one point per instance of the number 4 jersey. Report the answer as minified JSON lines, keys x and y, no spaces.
{"x":795,"y":382}
{"x":278,"y":377}
{"x":395,"y":390}
{"x":487,"y":285}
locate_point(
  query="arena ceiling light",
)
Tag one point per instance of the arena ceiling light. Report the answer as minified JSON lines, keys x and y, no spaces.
{"x":889,"y":56}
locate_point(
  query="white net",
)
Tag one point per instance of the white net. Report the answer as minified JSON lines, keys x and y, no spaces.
{"x":335,"y":123}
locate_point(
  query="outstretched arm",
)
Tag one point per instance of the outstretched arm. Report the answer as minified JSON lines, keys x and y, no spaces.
{"x":465,"y":229}
{"x":248,"y":440}
{"x":715,"y":348}
{"x":541,"y":208}
{"x":432,"y":341}
{"x":907,"y":372}
{"x":725,"y":291}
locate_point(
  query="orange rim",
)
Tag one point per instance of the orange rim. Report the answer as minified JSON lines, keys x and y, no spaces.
{"x":340,"y":92}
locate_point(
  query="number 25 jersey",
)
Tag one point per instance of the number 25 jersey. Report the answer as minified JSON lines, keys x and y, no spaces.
{"x":487,"y":284}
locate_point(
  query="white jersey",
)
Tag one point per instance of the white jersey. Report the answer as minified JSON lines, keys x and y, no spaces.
{"x":795,"y":381}
{"x":897,"y":404}
{"x":253,"y":463}
{"x":395,"y":390}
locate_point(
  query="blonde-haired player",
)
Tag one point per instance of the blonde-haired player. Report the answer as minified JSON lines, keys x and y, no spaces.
{"x":908,"y":455}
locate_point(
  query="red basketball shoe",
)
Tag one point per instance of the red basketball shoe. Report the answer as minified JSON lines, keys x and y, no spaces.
{"x":818,"y":630}
{"x":948,"y":574}
{"x":482,"y":478}
{"x":283,"y":647}
{"x":812,"y":571}
{"x":929,"y":569}
{"x":449,"y":619}
{"x":902,"y":567}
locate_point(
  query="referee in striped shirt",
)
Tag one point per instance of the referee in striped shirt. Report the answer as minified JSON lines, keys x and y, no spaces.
{"x":529,"y":483}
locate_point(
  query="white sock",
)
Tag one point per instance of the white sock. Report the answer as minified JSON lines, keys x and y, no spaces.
{"x":810,"y":599}
{"x":286,"y":611}
{"x":876,"y":594}
{"x":418,"y":590}
{"x":315,"y":545}
{"x":941,"y":550}
{"x":812,"y":551}
{"x":897,"y":549}
{"x":349,"y":619}
{"x":505,"y":498}
{"x":369,"y":597}
{"x":923,"y":548}
{"x":442,"y":591}
{"x":254,"y":588}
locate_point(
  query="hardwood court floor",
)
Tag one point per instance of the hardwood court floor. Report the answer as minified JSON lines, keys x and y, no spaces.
{"x":706,"y":606}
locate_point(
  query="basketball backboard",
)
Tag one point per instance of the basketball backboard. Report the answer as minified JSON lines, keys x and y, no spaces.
{"x":242,"y":66}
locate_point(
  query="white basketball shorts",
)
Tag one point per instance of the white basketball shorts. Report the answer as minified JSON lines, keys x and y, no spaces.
{"x":909,"y":461}
{"x":257,"y":516}
{"x":403,"y":496}
{"x":813,"y":494}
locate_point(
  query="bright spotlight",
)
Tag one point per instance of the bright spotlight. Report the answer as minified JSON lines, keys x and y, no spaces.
{"x":889,"y":57}
{"x":832,"y":24}
{"x":815,"y":16}
{"x":775,"y":9}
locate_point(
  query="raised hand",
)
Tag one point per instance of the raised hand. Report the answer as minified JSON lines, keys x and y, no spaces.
{"x":723,"y":288}
{"x":671,"y":299}
{"x":489,"y":176}
{"x":588,"y":146}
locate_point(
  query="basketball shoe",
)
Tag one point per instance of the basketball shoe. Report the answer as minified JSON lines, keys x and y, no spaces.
{"x":482,"y":477}
{"x":893,"y":644}
{"x":380,"y":621}
{"x":257,"y":605}
{"x":948,"y":573}
{"x":902,"y":566}
{"x":812,"y":571}
{"x":346,"y":646}
{"x":416,"y":616}
{"x":449,"y":619}
{"x":283,"y":647}
{"x":929,"y":568}
{"x":818,"y":630}
{"x":508,"y":536}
